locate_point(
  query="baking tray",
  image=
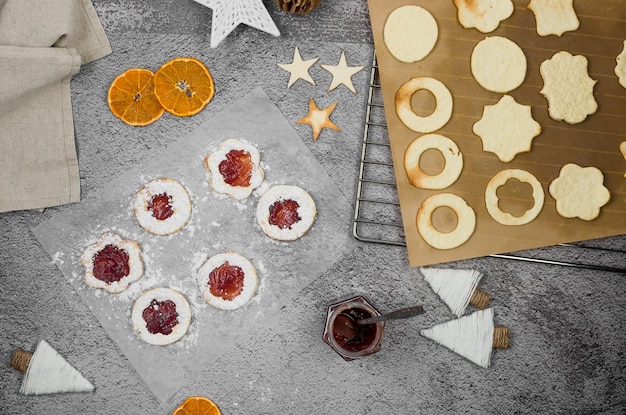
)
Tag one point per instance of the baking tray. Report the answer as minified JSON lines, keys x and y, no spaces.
{"x":594,"y":142}
{"x":377,"y":217}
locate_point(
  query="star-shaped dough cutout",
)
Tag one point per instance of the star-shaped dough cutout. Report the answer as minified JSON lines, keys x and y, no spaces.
{"x":228,"y":14}
{"x":319,"y":119}
{"x":507,"y":128}
{"x":298,"y":68}
{"x":342,"y":73}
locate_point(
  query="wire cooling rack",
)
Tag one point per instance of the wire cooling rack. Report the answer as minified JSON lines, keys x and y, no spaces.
{"x":377,"y":216}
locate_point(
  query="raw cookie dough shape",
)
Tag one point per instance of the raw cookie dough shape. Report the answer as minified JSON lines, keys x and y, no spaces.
{"x":554,"y":17}
{"x":410,"y":33}
{"x":135,"y":264}
{"x":484,"y":15}
{"x":491,"y":198}
{"x":466,"y":221}
{"x":161,"y":294}
{"x":179,"y":202}
{"x":498,"y":64}
{"x":620,"y":66}
{"x":622,"y":149}
{"x":213,"y":161}
{"x":579,"y":192}
{"x":568,"y":87}
{"x":249,"y":284}
{"x":306,"y":211}
{"x":507,"y":128}
{"x":439,"y":117}
{"x":450,"y":152}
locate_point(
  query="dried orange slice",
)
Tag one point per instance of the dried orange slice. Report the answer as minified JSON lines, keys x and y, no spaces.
{"x":183,"y":86}
{"x":197,"y":405}
{"x":131,"y":97}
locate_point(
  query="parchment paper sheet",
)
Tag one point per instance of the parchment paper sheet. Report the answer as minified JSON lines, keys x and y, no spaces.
{"x":218,"y":224}
{"x":594,"y":142}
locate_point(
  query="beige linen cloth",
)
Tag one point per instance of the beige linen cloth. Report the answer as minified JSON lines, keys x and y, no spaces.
{"x":42,"y":45}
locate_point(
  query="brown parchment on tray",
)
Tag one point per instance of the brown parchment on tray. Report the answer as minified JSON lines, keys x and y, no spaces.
{"x":218,"y":223}
{"x":594,"y":142}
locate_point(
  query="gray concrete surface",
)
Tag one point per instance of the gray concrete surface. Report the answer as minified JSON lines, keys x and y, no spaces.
{"x":568,"y":330}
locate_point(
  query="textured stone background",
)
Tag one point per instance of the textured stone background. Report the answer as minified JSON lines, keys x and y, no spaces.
{"x":568,"y":333}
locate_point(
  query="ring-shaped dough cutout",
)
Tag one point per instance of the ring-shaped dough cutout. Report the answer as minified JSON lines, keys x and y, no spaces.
{"x":466,"y":221}
{"x":410,"y":33}
{"x":439,"y":117}
{"x":491,"y":198}
{"x":450,"y":152}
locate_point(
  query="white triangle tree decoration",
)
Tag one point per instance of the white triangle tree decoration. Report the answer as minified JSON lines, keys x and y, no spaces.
{"x":472,"y":336}
{"x":228,"y":14}
{"x":46,"y":371}
{"x":457,"y":288}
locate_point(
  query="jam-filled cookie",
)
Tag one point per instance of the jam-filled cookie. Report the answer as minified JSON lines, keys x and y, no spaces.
{"x":227,"y":280}
{"x":235,"y":168}
{"x":161,"y":316}
{"x":285,"y":213}
{"x":112,"y":263}
{"x":162,"y":206}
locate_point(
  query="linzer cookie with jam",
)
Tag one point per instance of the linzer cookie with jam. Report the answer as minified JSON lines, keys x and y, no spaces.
{"x":285,"y":213}
{"x":227,"y":281}
{"x":162,"y":206}
{"x":161,"y":316}
{"x":112,"y":263}
{"x":235,"y":168}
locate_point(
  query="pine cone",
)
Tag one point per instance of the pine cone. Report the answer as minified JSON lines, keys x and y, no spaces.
{"x":297,"y":6}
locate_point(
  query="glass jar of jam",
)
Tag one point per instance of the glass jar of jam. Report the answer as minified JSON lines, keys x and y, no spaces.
{"x":366,"y":339}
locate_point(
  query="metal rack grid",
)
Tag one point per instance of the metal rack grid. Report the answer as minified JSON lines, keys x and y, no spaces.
{"x":377,"y":216}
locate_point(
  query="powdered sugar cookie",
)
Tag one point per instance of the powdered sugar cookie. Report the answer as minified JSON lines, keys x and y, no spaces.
{"x":498,"y":64}
{"x":227,"y":280}
{"x":162,"y":206}
{"x":285,"y":213}
{"x":161,"y":316}
{"x":484,"y":15}
{"x":554,"y":17}
{"x":579,"y":192}
{"x":235,"y":168}
{"x":410,"y":33}
{"x":112,"y":263}
{"x":568,"y":87}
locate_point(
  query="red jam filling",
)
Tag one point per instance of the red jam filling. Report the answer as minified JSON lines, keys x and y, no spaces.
{"x":110,"y":264}
{"x":237,"y":168}
{"x":365,"y":334}
{"x":284,"y":213}
{"x":161,"y":206}
{"x":160,"y":316}
{"x":226,"y":281}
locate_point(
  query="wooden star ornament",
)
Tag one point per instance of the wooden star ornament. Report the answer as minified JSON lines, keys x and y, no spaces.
{"x":319,"y":119}
{"x":228,"y":14}
{"x":342,"y":73}
{"x":298,"y":68}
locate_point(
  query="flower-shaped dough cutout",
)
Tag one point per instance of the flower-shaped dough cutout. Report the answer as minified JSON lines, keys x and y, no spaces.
{"x":568,"y":87}
{"x":507,"y":128}
{"x":554,"y":17}
{"x":484,"y":15}
{"x":620,"y":66}
{"x":579,"y":192}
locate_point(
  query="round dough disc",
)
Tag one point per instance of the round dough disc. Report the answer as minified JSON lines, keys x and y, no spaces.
{"x":498,"y":64}
{"x":410,"y":33}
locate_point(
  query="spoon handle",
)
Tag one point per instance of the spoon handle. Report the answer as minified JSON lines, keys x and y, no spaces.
{"x":394,"y":315}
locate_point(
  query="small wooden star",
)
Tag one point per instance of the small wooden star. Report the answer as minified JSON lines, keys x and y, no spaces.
{"x":298,"y":68}
{"x":342,"y":73}
{"x":319,"y":119}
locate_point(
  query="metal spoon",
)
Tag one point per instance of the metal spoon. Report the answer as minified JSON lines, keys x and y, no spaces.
{"x":345,"y":324}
